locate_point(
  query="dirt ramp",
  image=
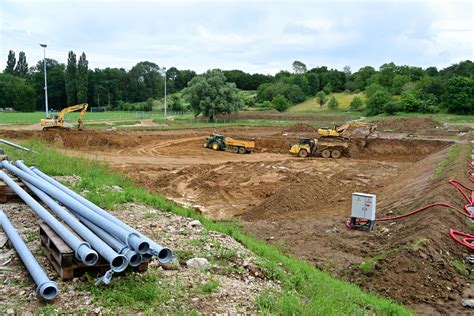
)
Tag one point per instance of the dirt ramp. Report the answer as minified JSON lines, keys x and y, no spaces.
{"x":395,"y":149}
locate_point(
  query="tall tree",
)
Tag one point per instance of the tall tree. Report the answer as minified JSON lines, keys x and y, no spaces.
{"x":82,"y":78}
{"x":209,"y":94}
{"x":21,"y":69}
{"x":299,"y":67}
{"x":11,"y":61}
{"x":71,"y":80}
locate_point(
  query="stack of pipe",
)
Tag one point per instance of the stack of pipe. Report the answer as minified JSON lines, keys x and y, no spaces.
{"x":102,"y":233}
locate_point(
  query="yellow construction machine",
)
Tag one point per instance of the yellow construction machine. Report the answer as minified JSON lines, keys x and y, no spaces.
{"x":347,"y":130}
{"x":58,"y":120}
{"x":314,"y":147}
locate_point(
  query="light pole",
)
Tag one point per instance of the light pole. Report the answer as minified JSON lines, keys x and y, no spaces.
{"x":163,"y":70}
{"x":45,"y":81}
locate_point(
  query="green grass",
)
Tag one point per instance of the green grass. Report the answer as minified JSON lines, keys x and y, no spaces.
{"x":305,"y":289}
{"x":462,"y":268}
{"x":452,"y":154}
{"x":312,"y":106}
{"x":35,"y":117}
{"x":187,"y":122}
{"x":209,"y":287}
{"x":439,"y":117}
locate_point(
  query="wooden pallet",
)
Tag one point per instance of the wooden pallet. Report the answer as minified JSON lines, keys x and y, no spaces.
{"x":8,"y":195}
{"x":64,"y":261}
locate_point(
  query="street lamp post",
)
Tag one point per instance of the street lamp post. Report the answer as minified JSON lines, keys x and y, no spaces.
{"x":164,"y":73}
{"x":45,"y":81}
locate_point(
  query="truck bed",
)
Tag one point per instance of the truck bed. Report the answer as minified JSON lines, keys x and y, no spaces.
{"x":240,"y":143}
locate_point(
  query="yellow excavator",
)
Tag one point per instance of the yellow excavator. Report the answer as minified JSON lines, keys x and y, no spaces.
{"x":58,"y":120}
{"x":345,"y":131}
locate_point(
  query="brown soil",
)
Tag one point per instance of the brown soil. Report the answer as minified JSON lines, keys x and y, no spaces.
{"x":302,"y":203}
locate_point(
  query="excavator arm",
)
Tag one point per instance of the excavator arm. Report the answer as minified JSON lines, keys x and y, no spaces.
{"x":73,"y":108}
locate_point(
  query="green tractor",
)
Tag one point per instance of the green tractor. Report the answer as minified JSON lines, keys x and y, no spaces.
{"x":215,"y":141}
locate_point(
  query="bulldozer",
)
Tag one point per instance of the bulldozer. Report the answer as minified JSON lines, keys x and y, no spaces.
{"x":57,"y":121}
{"x":345,"y":131}
{"x":314,"y":147}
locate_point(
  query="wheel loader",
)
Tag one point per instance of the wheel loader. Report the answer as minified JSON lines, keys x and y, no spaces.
{"x":314,"y":147}
{"x":219,"y":142}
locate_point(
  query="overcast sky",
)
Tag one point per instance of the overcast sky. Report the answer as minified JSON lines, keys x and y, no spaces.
{"x":255,"y":36}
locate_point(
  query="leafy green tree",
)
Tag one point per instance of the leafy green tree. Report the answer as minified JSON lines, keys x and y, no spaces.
{"x":398,"y":82}
{"x":56,"y":84}
{"x":409,"y":102}
{"x":376,"y":103}
{"x":292,"y":92}
{"x":360,"y":77}
{"x":392,"y":107}
{"x":299,"y":67}
{"x":17,"y":93}
{"x":71,"y":79}
{"x":459,"y":95}
{"x":333,"y":103}
{"x":21,"y":69}
{"x":280,"y":103}
{"x":327,"y":88}
{"x":176,"y":104}
{"x":82,"y":78}
{"x":356,"y":103}
{"x":313,"y":82}
{"x":321,"y":98}
{"x":144,"y":81}
{"x":373,"y":88}
{"x":11,"y":61}
{"x":209,"y":94}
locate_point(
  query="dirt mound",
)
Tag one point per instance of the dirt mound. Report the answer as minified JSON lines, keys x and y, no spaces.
{"x":394,"y":150}
{"x":407,"y":125}
{"x":300,"y":128}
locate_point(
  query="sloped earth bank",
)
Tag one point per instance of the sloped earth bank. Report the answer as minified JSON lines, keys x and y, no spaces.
{"x":301,"y":204}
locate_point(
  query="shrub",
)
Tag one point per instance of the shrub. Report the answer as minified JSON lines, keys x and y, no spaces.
{"x":356,"y":103}
{"x":376,"y":103}
{"x":409,"y":102}
{"x":333,"y":103}
{"x":321,"y":98}
{"x":280,"y":103}
{"x":392,"y":107}
{"x":373,"y":88}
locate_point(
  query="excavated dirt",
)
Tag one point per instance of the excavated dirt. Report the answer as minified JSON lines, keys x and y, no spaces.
{"x":300,"y":204}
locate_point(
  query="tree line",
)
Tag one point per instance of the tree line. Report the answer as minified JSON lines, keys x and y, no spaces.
{"x":389,"y":89}
{"x":22,"y":87}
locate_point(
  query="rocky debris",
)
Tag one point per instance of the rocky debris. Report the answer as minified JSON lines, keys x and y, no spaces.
{"x":234,"y":269}
{"x":197,"y":263}
{"x":68,"y":180}
{"x":195,"y":223}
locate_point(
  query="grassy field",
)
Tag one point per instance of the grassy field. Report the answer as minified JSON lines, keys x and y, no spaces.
{"x":305,"y":289}
{"x":35,"y":117}
{"x":312,"y":106}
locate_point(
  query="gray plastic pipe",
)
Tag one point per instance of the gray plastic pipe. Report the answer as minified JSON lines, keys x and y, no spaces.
{"x":116,"y":264}
{"x":6,"y":142}
{"x":82,"y":249}
{"x":163,"y":254}
{"x":134,"y":258}
{"x":46,"y":288}
{"x":133,"y":240}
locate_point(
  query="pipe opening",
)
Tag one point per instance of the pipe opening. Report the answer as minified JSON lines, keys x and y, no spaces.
{"x":165,"y":255}
{"x":135,"y":260}
{"x":143,"y":247}
{"x":91,"y":258}
{"x":147,"y":256}
{"x":48,"y":290}
{"x":119,"y":263}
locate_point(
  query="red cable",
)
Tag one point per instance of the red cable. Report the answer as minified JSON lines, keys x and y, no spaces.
{"x":466,"y":242}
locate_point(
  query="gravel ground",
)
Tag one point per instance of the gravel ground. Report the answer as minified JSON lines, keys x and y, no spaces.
{"x":232,"y":268}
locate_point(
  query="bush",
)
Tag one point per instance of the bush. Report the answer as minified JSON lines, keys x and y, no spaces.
{"x":392,"y":107}
{"x":376,"y":103}
{"x":321,"y":98}
{"x":176,"y":104}
{"x":280,"y":103}
{"x":24,"y":99}
{"x":373,"y":88}
{"x":333,"y":104}
{"x":409,"y":102}
{"x":356,"y":103}
{"x":327,"y":88}
{"x":458,"y":96}
{"x":265,"y":104}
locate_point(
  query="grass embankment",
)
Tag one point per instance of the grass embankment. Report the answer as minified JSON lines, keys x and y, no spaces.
{"x":306,"y":290}
{"x":312,"y":106}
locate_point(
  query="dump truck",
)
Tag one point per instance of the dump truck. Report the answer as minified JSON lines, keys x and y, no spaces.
{"x":314,"y":147}
{"x":219,"y":142}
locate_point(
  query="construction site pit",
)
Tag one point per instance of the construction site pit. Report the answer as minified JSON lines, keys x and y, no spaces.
{"x":301,"y":204}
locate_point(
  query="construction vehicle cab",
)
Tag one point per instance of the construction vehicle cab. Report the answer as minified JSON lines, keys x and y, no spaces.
{"x":215,"y":141}
{"x":58,"y":120}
